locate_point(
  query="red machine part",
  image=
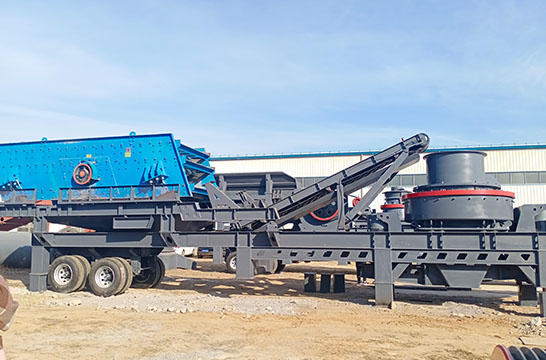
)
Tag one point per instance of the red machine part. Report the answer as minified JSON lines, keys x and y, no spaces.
{"x":325,"y":218}
{"x":392,"y":206}
{"x":466,"y":192}
{"x":83,"y":174}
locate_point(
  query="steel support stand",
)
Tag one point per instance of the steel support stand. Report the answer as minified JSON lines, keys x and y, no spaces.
{"x":245,"y":266}
{"x":384,"y":285}
{"x":217,"y":255}
{"x":310,"y":282}
{"x":39,"y":261}
{"x":527,"y":295}
{"x":339,"y":283}
{"x":325,"y":283}
{"x":39,"y":267}
{"x":541,"y":273}
{"x":542,"y":303}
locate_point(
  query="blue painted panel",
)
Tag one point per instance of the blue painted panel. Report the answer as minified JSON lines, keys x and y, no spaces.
{"x":113,"y":161}
{"x":197,"y":167}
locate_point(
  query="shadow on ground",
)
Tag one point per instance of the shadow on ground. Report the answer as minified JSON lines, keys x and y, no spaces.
{"x":213,"y":279}
{"x":289,"y":283}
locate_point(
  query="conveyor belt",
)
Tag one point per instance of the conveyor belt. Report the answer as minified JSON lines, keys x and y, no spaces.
{"x":353,"y":178}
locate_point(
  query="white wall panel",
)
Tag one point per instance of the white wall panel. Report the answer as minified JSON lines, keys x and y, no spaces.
{"x":297,"y":167}
{"x":418,"y":168}
{"x":496,"y":161}
{"x":516,"y":160}
{"x":528,"y":194}
{"x":301,"y":167}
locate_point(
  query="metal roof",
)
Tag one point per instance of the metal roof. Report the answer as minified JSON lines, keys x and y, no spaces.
{"x":371,"y":152}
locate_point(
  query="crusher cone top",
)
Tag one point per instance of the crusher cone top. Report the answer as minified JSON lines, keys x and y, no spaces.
{"x":459,"y":195}
{"x":393,"y":201}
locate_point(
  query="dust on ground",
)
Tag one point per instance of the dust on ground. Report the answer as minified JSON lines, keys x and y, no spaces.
{"x":208,"y":314}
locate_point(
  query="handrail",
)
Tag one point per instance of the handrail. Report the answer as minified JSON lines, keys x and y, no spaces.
{"x":120,"y":193}
{"x":18,"y":196}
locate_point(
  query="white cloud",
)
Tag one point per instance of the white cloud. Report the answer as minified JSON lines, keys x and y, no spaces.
{"x":27,"y":124}
{"x":63,"y":70}
{"x":255,"y":81}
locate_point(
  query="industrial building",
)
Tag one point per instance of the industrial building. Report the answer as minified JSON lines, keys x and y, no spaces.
{"x":518,"y":168}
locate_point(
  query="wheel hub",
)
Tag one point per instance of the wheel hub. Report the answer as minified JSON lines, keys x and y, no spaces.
{"x":63,"y":274}
{"x":104,"y":277}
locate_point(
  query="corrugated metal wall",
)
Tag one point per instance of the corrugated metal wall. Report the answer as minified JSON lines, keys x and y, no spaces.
{"x":516,"y":160}
{"x":297,"y":167}
{"x":496,"y":161}
{"x":528,"y":194}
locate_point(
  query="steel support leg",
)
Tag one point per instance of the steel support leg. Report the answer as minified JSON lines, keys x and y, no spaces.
{"x":384,"y":286}
{"x":245,"y":266}
{"x":39,"y":260}
{"x":541,"y":274}
{"x":39,"y":267}
{"x":217,"y":255}
{"x":542,"y":303}
{"x":310,"y":282}
{"x":527,"y":295}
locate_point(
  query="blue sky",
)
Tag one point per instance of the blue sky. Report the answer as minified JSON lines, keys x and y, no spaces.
{"x":275,"y":76}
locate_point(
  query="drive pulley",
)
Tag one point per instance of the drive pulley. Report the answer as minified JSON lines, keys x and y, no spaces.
{"x":83,"y":174}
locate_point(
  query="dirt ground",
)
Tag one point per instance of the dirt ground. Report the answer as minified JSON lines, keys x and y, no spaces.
{"x":207,"y":314}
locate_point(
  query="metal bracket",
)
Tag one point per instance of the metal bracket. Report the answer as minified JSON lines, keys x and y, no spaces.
{"x":272,"y":231}
{"x":376,"y":188}
{"x":248,"y":201}
{"x":340,"y":198}
{"x":524,"y":217}
{"x":218,"y":199}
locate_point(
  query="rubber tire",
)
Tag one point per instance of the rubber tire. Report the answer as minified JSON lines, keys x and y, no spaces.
{"x":161,"y":272}
{"x":231,"y":255}
{"x":119,"y":277}
{"x":77,"y":278}
{"x":147,"y":278}
{"x":128,"y":274}
{"x":86,"y":267}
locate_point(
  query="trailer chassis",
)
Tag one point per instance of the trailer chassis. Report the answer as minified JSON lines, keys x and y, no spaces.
{"x":453,"y":259}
